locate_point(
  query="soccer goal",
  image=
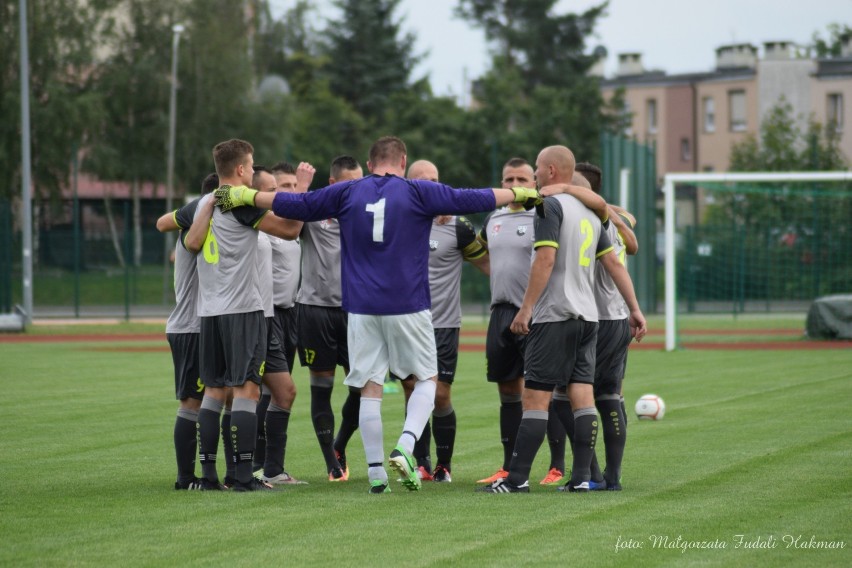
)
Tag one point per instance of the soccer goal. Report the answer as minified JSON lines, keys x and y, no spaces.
{"x":754,"y":242}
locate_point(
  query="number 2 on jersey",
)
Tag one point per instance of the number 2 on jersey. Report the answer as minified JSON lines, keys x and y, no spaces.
{"x":378,"y":211}
{"x":587,"y":231}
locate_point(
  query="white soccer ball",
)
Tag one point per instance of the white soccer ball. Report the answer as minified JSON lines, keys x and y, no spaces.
{"x":650,"y":407}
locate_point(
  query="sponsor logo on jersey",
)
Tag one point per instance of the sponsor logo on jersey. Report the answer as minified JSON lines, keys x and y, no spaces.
{"x":522,"y":230}
{"x":495,"y":228}
{"x":326,"y":223}
{"x":433,"y":245}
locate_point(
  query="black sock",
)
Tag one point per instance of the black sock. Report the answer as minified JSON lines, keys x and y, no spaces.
{"x":530,"y":436}
{"x":228,"y":446}
{"x":260,"y":444}
{"x":277,"y":420}
{"x":624,"y":411}
{"x":444,"y":430}
{"x":243,"y":437}
{"x":562,"y":408}
{"x":186,"y":443}
{"x":615,"y":436}
{"x":556,"y":439}
{"x":422,"y":446}
{"x":511,"y":412}
{"x":322,"y":417}
{"x":209,"y":417}
{"x":348,"y":419}
{"x":585,"y":434}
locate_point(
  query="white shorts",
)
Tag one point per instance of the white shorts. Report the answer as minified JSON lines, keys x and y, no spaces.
{"x":403,"y":344}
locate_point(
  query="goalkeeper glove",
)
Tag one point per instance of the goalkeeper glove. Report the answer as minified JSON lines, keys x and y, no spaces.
{"x":528,"y":198}
{"x":228,"y":197}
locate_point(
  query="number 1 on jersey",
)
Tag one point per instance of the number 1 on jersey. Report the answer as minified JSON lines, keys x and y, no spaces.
{"x":378,"y":211}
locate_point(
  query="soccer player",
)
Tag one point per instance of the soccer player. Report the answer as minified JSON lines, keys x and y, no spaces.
{"x":322,"y":333}
{"x":277,"y":378}
{"x":233,"y":329}
{"x":182,"y":329}
{"x":452,"y":240}
{"x":613,"y":338}
{"x":385,"y":222}
{"x":509,"y":235}
{"x":559,"y":316}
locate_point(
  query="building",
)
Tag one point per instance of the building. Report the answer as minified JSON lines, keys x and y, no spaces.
{"x":693,"y":119}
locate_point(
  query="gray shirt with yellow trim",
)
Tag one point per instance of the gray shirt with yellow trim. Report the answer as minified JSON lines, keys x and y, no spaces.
{"x":449,"y":245}
{"x":611,"y":305}
{"x":579,"y":239}
{"x":509,"y":235}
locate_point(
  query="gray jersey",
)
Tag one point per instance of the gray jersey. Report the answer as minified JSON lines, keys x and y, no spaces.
{"x":510,"y":235}
{"x":286,"y":257}
{"x":321,"y":264}
{"x":580,"y":240}
{"x":184,"y":318}
{"x":264,"y":273}
{"x":227,"y":265}
{"x":449,"y":245}
{"x":611,"y":305}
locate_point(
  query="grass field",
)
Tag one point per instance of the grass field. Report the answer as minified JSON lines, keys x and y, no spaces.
{"x":754,"y":443}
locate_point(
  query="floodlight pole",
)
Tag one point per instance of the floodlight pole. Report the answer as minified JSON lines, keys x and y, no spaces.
{"x":177,"y":29}
{"x":26,"y":170}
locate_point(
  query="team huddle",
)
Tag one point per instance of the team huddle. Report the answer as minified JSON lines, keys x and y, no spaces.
{"x":365,"y":274}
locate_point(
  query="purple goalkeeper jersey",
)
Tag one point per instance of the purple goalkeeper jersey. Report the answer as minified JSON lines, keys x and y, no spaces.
{"x":384,"y":232}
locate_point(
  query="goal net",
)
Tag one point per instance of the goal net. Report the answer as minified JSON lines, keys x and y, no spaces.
{"x":740,"y":243}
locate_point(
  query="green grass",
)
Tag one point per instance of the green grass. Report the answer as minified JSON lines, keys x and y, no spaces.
{"x":754,"y":443}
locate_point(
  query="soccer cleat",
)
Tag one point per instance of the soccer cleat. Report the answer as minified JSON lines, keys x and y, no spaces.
{"x":583,"y":487}
{"x":193,"y":484}
{"x":341,"y":459}
{"x":258,"y":473}
{"x":378,"y":486}
{"x":282,"y":478}
{"x":441,"y":474}
{"x":503,"y":486}
{"x":403,"y":463}
{"x":229,"y":482}
{"x":253,"y":485}
{"x":390,"y":388}
{"x":553,"y":477}
{"x":501,"y":474}
{"x":205,"y":484}
{"x":423,"y":473}
{"x":337,"y":474}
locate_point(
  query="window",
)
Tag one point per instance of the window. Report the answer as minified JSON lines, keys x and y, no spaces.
{"x":685,"y":150}
{"x":834,"y":108}
{"x":651,"y":107}
{"x":737,"y":110}
{"x":709,"y":115}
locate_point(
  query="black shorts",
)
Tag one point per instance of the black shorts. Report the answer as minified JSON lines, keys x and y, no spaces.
{"x":288,"y":319}
{"x":322,"y":338}
{"x":233,"y":349}
{"x":504,"y":350}
{"x":447,"y":346}
{"x":563,"y":352}
{"x":611,"y":359}
{"x":276,"y":357}
{"x":184,"y":348}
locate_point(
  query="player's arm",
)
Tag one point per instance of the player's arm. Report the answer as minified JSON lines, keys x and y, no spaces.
{"x":547,"y":242}
{"x":471,"y":247}
{"x":276,"y":226}
{"x":194,"y":238}
{"x":621,"y":277}
{"x":587,"y":197}
{"x":624,"y":222}
{"x":167,"y":222}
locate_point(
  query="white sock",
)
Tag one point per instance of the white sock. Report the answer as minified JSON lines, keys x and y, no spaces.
{"x":419,"y":409}
{"x":372,"y":435}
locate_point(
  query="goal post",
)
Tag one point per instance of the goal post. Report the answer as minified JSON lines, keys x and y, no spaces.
{"x":728,"y":182}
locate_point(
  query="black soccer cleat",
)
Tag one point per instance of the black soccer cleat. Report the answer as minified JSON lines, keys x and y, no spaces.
{"x":193,"y":484}
{"x":254,"y":485}
{"x":583,"y":487}
{"x":504,"y":486}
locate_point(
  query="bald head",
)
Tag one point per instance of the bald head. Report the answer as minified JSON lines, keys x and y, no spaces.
{"x":580,"y":179}
{"x":423,"y":169}
{"x":555,"y":164}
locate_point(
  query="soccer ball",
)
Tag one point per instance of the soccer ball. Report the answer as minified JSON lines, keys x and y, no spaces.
{"x":650,"y":407}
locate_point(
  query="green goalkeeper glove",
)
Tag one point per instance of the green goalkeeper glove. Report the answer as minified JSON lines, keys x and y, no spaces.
{"x":228,"y":197}
{"x":529,"y":198}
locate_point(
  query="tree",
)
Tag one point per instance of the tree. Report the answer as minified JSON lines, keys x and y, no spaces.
{"x":832,"y":46}
{"x":369,"y":58}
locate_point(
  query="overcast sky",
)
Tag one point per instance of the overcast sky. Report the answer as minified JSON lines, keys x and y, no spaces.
{"x":673,"y":35}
